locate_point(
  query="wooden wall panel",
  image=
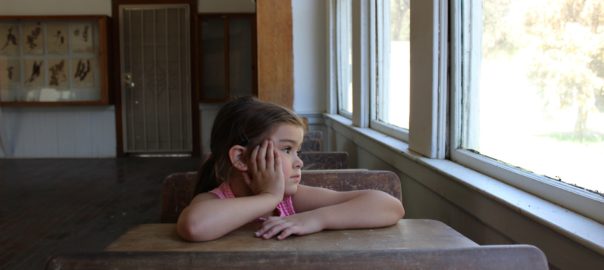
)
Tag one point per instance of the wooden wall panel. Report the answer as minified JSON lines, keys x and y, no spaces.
{"x":275,"y":51}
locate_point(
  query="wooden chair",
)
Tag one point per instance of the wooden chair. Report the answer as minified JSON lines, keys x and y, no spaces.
{"x":313,"y":141}
{"x":517,"y":257}
{"x":178,"y":188}
{"x":324,"y":160}
{"x":311,"y":145}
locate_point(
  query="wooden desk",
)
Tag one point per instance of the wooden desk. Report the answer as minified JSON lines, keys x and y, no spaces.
{"x":411,"y":244}
{"x":407,"y":234}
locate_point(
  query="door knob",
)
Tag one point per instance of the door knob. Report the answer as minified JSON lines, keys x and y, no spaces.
{"x":128,"y":80}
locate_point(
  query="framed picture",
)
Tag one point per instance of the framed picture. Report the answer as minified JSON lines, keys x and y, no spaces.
{"x":82,"y":71}
{"x":9,"y":78}
{"x":58,"y":38}
{"x":53,"y":60}
{"x":57,"y":74}
{"x":9,"y":43}
{"x":34,"y":72}
{"x":33,"y":38}
{"x":81,"y":38}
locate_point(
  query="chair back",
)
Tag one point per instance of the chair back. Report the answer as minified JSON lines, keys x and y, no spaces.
{"x":178,"y":188}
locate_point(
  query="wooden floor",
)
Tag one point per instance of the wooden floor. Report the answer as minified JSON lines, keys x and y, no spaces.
{"x":51,"y":206}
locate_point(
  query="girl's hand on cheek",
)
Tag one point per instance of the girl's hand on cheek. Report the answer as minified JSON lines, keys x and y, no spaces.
{"x":283,"y":227}
{"x":265,"y":169}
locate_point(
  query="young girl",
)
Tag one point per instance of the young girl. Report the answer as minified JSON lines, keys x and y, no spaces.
{"x":254,"y":173}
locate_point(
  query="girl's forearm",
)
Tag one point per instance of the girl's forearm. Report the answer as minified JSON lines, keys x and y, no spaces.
{"x":368,"y":210}
{"x":211,"y":219}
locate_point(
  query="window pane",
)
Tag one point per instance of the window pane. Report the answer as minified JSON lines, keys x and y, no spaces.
{"x":344,"y":55}
{"x":539,"y":99}
{"x":392,"y":94}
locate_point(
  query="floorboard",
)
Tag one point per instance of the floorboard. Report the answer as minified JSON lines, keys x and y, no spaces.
{"x":51,"y":206}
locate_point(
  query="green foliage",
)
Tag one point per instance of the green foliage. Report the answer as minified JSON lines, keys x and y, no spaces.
{"x":399,"y":13}
{"x":588,"y":137}
{"x":565,"y":41}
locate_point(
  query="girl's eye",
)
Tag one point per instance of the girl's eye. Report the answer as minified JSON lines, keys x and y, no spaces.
{"x":298,"y":152}
{"x":287,"y":150}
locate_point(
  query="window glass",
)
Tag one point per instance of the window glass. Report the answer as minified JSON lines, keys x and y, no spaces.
{"x":538,"y":98}
{"x":393,"y":63}
{"x":344,"y":56}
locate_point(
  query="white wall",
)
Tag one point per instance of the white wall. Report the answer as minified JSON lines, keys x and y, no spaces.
{"x":58,"y":132}
{"x":310,"y":71}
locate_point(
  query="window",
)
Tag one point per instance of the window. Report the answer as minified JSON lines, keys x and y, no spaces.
{"x":525,"y":81}
{"x":343,"y":59}
{"x":532,"y":97}
{"x":391,"y":95}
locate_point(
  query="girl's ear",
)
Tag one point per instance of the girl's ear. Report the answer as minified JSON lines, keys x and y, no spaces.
{"x":236,"y":156}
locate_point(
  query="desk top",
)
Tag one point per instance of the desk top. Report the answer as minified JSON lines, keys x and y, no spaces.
{"x":407,"y":233}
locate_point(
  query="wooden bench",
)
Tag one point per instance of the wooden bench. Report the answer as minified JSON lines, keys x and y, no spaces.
{"x":313,"y":141}
{"x":178,"y":188}
{"x":517,"y":257}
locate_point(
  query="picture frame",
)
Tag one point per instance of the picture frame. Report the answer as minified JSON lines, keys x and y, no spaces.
{"x":53,"y":60}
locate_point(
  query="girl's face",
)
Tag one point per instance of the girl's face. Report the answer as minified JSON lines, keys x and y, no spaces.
{"x":288,"y":140}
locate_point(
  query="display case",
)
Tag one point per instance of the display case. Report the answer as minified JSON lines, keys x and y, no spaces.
{"x":53,"y":60}
{"x":228,"y":56}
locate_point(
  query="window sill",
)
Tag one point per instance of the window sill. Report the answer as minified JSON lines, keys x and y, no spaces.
{"x":576,"y":227}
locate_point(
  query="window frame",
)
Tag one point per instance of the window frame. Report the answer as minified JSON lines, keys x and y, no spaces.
{"x":465,"y":20}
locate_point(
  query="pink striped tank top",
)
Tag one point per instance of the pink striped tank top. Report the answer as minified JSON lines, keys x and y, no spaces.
{"x":284,"y":208}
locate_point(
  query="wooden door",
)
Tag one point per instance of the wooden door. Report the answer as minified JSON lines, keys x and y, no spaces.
{"x":155,"y":76}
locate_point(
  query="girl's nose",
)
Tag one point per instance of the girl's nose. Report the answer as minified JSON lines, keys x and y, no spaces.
{"x":298,"y":163}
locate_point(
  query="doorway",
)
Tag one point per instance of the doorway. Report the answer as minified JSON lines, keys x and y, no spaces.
{"x":155,"y":97}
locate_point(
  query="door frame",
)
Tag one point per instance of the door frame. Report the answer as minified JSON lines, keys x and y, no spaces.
{"x":117,"y":82}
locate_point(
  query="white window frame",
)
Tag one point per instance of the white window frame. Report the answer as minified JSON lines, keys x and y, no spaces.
{"x":428,"y":90}
{"x":468,"y":51}
{"x":429,"y":60}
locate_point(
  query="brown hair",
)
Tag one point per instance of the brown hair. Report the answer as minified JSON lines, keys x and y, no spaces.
{"x":244,"y":121}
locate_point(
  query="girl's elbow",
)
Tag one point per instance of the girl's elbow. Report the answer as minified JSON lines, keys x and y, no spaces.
{"x":194,"y":232}
{"x":396,"y":209}
{"x":392,"y":208}
{"x":400,"y":211}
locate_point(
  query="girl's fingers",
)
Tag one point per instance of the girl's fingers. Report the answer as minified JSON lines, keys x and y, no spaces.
{"x":268,"y":224}
{"x":274,"y":229}
{"x":285,"y":233}
{"x":247,"y":179}
{"x":277,"y":163}
{"x":270,"y":156}
{"x":261,"y":158}
{"x":253,"y":162}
